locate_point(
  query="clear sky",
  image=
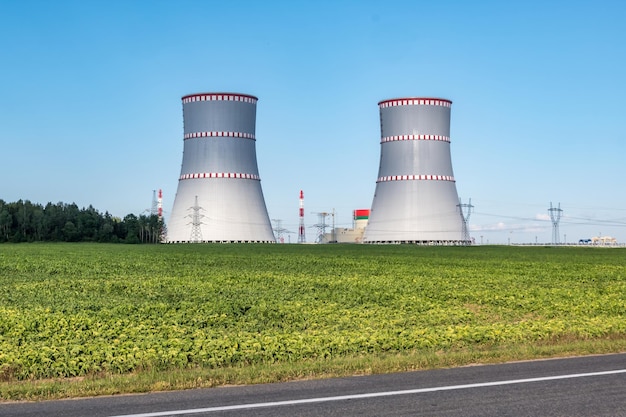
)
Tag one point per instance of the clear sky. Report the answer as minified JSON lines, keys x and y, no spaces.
{"x":90,"y":108}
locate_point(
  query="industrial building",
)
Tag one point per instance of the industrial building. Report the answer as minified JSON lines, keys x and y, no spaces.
{"x":415,"y":200}
{"x":349,"y":235}
{"x":219,"y":196}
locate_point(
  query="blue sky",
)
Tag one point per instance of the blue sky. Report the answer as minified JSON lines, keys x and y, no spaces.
{"x":90,"y":108}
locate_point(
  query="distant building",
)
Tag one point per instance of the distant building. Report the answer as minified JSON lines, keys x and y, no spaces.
{"x":603,"y":240}
{"x":353,"y":235}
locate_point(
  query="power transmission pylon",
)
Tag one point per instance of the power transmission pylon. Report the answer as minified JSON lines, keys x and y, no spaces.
{"x":279,"y":230}
{"x":555,"y":216}
{"x":154,"y":210}
{"x":465,"y":210}
{"x":321,"y":226}
{"x":196,"y":217}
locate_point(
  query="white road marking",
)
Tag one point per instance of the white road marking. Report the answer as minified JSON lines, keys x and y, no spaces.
{"x":369,"y":395}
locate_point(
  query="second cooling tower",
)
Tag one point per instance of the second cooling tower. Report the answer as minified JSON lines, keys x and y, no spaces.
{"x":415,"y":200}
{"x":219,"y":196}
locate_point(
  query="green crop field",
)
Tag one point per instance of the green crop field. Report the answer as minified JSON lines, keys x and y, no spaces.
{"x":72,"y":311}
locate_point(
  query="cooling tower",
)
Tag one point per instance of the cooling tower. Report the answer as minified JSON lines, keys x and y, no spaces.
{"x":415,"y":200}
{"x":219,"y":196}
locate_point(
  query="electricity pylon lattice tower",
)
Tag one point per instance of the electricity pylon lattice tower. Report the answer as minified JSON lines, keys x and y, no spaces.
{"x":154,"y":210}
{"x":465,"y":210}
{"x":555,"y":217}
{"x":279,"y":230}
{"x":321,"y":226}
{"x":196,"y":217}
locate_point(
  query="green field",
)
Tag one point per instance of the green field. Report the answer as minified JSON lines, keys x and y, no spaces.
{"x":200,"y":315}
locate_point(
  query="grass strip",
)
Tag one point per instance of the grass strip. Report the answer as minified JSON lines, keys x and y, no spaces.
{"x":179,"y":379}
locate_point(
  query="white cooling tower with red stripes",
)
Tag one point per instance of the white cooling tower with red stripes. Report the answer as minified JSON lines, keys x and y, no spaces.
{"x":219,"y":168}
{"x":415,"y":200}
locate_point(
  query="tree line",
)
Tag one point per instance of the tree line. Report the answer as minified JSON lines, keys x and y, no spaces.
{"x":23,"y":221}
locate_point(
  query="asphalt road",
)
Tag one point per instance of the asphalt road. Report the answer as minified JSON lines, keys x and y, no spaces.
{"x":582,"y":386}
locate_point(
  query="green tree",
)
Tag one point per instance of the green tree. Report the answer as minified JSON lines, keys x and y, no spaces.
{"x":23,"y":221}
{"x":133,"y":229}
{"x":70,"y":232}
{"x":6,"y":223}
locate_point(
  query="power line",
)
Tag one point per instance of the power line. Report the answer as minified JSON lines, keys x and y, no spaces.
{"x":566,"y":219}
